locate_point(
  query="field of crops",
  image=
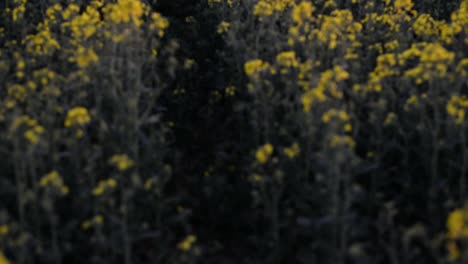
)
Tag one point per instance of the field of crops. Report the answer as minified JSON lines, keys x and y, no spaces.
{"x":234,"y":131}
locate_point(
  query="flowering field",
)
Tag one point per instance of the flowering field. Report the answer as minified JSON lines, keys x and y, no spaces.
{"x":234,"y":131}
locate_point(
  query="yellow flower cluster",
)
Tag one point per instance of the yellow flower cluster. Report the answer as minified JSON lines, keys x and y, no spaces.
{"x":122,"y":162}
{"x":462,"y":67}
{"x":81,"y":26}
{"x":426,"y":26}
{"x":4,"y":229}
{"x":287,"y":59}
{"x":389,"y":118}
{"x":126,"y":11}
{"x":104,"y":185}
{"x":340,"y":115}
{"x":84,"y":57}
{"x":457,"y":225}
{"x":230,"y":90}
{"x":434,"y":61}
{"x":54,"y":180}
{"x":3,"y":259}
{"x":95,"y":221}
{"x":456,"y":108}
{"x":327,"y":86}
{"x":32,"y":130}
{"x":336,"y":28}
{"x":42,"y":43}
{"x":263,"y":153}
{"x":158,"y":24}
{"x":18,"y":10}
{"x":302,"y":12}
{"x":386,"y":67}
{"x":223,"y":27}
{"x":265,"y":8}
{"x":187,"y":243}
{"x":77,"y":116}
{"x":405,"y":5}
{"x":254,"y":67}
{"x":344,"y":141}
{"x":292,"y":151}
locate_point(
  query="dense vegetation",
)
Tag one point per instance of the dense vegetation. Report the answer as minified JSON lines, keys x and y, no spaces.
{"x":233,"y":131}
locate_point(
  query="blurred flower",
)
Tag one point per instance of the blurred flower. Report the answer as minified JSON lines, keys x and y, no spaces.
{"x":3,"y":259}
{"x":77,"y":116}
{"x":292,"y":151}
{"x":187,"y":243}
{"x":54,"y":180}
{"x":263,"y":153}
{"x":122,"y":162}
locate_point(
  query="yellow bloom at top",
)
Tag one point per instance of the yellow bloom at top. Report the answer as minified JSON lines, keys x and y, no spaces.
{"x":302,"y":12}
{"x":186,"y":244}
{"x":263,"y":153}
{"x":268,"y":7}
{"x":403,"y":4}
{"x":77,"y":116}
{"x":122,"y":162}
{"x":125,"y":11}
{"x":255,"y":66}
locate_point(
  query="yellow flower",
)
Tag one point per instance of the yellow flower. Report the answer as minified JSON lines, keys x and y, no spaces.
{"x":54,"y":180}
{"x":456,"y":108}
{"x":453,"y":250}
{"x":403,"y":4}
{"x":230,"y":90}
{"x":77,"y":116}
{"x":84,"y":57}
{"x":188,"y":64}
{"x":187,"y":243}
{"x":257,"y":178}
{"x":32,"y":130}
{"x":122,"y":162}
{"x":98,"y":219}
{"x":302,"y":12}
{"x":263,"y":153}
{"x":342,"y":141}
{"x":150,"y":183}
{"x":255,"y":66}
{"x":223,"y":27}
{"x":95,"y":221}
{"x":3,"y":259}
{"x":389,"y":119}
{"x":158,"y":23}
{"x":125,"y":11}
{"x":287,"y":59}
{"x":104,"y":185}
{"x":292,"y":151}
{"x":457,"y":224}
{"x":348,"y":127}
{"x":4,"y":229}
